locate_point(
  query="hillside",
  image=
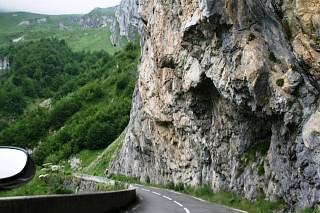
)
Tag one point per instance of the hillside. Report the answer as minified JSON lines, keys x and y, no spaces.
{"x":81,"y":32}
{"x":65,"y":90}
{"x":58,"y":102}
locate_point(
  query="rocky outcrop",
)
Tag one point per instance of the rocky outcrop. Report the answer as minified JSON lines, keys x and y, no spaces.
{"x":98,"y":18}
{"x":4,"y":65}
{"x":80,"y":183}
{"x":96,"y":22}
{"x":126,"y":22}
{"x":227,"y":95}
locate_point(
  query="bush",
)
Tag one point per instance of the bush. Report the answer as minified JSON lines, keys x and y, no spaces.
{"x":280,"y":82}
{"x":54,"y":148}
{"x":287,"y":28}
{"x":3,"y":124}
{"x":63,"y":110}
{"x":53,"y":176}
{"x":91,"y":92}
{"x":25,"y":132}
{"x":273,"y":58}
{"x":261,"y":170}
{"x":100,"y":135}
{"x":12,"y":101}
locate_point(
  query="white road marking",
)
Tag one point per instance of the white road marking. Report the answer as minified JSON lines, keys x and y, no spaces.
{"x":199,"y":199}
{"x":168,"y":198}
{"x":178,"y":193}
{"x":179,"y":204}
{"x":186,"y":210}
{"x":153,"y":187}
{"x":238,"y":210}
{"x":156,"y":193}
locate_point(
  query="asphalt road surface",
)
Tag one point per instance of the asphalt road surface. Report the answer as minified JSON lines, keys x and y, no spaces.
{"x":154,"y":200}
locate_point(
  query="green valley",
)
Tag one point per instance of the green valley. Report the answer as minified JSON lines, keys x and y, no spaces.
{"x":65,"y":90}
{"x":58,"y":102}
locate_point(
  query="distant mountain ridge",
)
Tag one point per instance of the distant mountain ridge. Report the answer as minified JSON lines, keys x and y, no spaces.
{"x":92,"y":31}
{"x":94,"y":19}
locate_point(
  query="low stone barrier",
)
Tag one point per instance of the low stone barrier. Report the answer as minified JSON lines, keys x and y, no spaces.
{"x":81,"y":183}
{"x":79,"y":203}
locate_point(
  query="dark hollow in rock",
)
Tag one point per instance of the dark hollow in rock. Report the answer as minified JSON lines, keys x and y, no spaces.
{"x":203,"y":97}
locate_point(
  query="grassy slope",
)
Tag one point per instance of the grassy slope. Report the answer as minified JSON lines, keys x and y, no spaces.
{"x":94,"y":39}
{"x":78,"y":38}
{"x":102,"y":161}
{"x":35,"y":187}
{"x":87,"y":156}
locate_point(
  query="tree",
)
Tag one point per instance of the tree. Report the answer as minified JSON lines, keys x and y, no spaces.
{"x":100,"y":135}
{"x":63,"y":110}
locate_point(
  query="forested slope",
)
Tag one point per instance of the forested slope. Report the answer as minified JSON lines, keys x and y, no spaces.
{"x":57,"y":102}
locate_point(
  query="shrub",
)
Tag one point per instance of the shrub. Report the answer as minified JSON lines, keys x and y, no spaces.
{"x":90,"y":92}
{"x":12,"y":100}
{"x":280,"y":82}
{"x":63,"y":110}
{"x":251,"y":37}
{"x":286,"y":28}
{"x":100,"y":135}
{"x":261,"y":170}
{"x":273,"y":58}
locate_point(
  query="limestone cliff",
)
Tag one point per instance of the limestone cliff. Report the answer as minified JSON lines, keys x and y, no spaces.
{"x":4,"y":65}
{"x":97,"y":18}
{"x":227,"y":95}
{"x":126,"y":22}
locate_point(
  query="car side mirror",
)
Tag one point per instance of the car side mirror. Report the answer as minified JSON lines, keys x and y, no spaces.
{"x":16,"y":167}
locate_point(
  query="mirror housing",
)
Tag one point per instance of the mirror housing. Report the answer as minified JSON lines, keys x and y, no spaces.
{"x":16,"y":167}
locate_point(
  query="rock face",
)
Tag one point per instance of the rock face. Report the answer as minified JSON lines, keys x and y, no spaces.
{"x":87,"y":184}
{"x":97,"y":18}
{"x":227,"y":95}
{"x":126,"y":22}
{"x":96,"y":22}
{"x":4,"y":65}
